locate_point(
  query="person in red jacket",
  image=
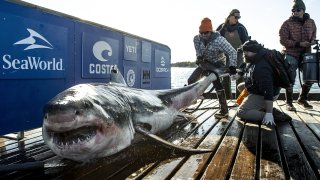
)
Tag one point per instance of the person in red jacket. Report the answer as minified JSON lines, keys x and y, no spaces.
{"x":297,"y":34}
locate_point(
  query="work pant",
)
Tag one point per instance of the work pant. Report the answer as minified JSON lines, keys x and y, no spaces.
{"x":226,"y":82}
{"x":253,"y":107}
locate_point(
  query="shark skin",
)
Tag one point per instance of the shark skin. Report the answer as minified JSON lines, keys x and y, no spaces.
{"x":94,"y":120}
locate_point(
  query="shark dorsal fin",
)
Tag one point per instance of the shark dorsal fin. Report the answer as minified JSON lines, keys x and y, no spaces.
{"x":116,"y":77}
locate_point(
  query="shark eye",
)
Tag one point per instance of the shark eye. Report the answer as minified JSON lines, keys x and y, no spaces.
{"x":77,"y":112}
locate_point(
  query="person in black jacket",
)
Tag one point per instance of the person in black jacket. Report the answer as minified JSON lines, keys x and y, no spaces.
{"x":236,"y":34}
{"x":260,"y":83}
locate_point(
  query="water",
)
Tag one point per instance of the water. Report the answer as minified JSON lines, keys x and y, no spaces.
{"x":180,"y":75}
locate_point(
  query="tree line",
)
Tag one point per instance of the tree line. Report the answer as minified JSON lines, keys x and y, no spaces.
{"x":184,"y":64}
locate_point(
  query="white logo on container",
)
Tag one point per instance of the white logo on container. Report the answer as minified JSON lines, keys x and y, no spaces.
{"x":99,"y":47}
{"x":33,"y":41}
{"x":131,"y":78}
{"x":162,"y":61}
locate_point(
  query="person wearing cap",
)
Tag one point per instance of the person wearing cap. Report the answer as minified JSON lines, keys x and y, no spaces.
{"x":211,"y":48}
{"x":297,"y":34}
{"x":260,"y":84}
{"x":236,"y":34}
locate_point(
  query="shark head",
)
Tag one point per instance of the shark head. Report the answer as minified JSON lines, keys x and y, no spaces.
{"x":81,"y":124}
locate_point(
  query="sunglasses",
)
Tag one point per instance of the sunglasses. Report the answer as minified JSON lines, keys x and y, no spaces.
{"x":237,"y":17}
{"x":296,"y":10}
{"x":205,"y":33}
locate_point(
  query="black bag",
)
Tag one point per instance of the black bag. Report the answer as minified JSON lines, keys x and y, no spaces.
{"x":283,"y":69}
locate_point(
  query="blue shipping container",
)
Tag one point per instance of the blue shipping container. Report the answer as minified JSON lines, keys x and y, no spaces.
{"x":44,"y":52}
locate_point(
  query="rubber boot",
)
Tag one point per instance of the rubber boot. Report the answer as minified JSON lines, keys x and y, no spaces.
{"x":223,"y":105}
{"x":280,"y":116}
{"x":226,"y":83}
{"x":302,"y":100}
{"x":289,"y":99}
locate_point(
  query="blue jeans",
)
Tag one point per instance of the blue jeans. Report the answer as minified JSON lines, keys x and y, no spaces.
{"x":295,"y":65}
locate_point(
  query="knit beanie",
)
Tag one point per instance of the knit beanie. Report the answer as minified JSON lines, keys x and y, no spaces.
{"x":252,"y":46}
{"x":298,"y":4}
{"x":205,"y":25}
{"x":233,"y":12}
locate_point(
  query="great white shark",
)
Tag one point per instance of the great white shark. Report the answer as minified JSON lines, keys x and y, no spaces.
{"x":94,"y":120}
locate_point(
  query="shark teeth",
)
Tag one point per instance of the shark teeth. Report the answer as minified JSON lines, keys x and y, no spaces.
{"x":77,"y":136}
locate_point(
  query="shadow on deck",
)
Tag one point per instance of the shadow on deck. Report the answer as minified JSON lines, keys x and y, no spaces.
{"x":241,"y":150}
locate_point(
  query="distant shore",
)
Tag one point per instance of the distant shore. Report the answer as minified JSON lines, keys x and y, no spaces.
{"x":184,"y":64}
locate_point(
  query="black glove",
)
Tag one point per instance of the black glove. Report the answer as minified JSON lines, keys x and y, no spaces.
{"x":232,"y":70}
{"x":199,"y":60}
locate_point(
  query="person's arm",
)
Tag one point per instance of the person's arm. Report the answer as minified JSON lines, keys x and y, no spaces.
{"x":314,"y":34}
{"x":196,"y":43}
{"x":243,"y":33}
{"x":268,"y":105}
{"x":284,"y":34}
{"x":226,"y":47}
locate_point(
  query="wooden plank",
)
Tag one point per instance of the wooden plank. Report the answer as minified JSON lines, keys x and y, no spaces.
{"x":270,"y":161}
{"x":196,"y":164}
{"x":222,"y":160}
{"x":245,"y":164}
{"x":307,"y":137}
{"x":309,"y":117}
{"x":296,"y":161}
{"x":162,"y":168}
{"x":216,"y":128}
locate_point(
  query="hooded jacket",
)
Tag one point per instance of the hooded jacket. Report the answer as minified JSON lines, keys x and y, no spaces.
{"x":295,"y":30}
{"x":260,"y":78}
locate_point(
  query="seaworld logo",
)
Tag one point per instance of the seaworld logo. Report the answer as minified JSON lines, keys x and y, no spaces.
{"x":32,"y":41}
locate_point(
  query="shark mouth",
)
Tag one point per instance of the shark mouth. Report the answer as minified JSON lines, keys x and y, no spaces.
{"x":79,"y":136}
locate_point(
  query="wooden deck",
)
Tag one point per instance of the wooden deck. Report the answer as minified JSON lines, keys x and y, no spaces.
{"x":241,"y":150}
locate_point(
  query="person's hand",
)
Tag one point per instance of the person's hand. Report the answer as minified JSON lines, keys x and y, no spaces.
{"x":232,"y":70}
{"x":268,"y":119}
{"x":199,"y":60}
{"x":305,"y":44}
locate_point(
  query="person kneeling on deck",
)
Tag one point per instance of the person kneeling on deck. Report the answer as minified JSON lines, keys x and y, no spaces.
{"x":259,"y":82}
{"x":211,"y":48}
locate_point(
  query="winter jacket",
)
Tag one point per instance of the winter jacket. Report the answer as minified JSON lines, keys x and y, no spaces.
{"x":213,"y":53}
{"x":259,"y":77}
{"x":295,"y":30}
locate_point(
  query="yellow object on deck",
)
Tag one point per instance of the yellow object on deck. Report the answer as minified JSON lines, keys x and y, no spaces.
{"x":244,"y":93}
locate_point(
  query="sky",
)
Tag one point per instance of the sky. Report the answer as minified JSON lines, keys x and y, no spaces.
{"x":175,"y":22}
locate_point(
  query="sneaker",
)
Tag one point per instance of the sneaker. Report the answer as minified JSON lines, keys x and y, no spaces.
{"x":280,"y":116}
{"x":290,"y":107}
{"x":304,"y":103}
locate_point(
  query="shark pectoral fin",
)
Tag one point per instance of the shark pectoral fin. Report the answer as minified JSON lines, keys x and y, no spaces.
{"x":158,"y":139}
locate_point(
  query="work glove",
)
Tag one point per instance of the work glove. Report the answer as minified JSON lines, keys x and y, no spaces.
{"x":268,"y":119}
{"x":199,"y":60}
{"x":232,"y":70}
